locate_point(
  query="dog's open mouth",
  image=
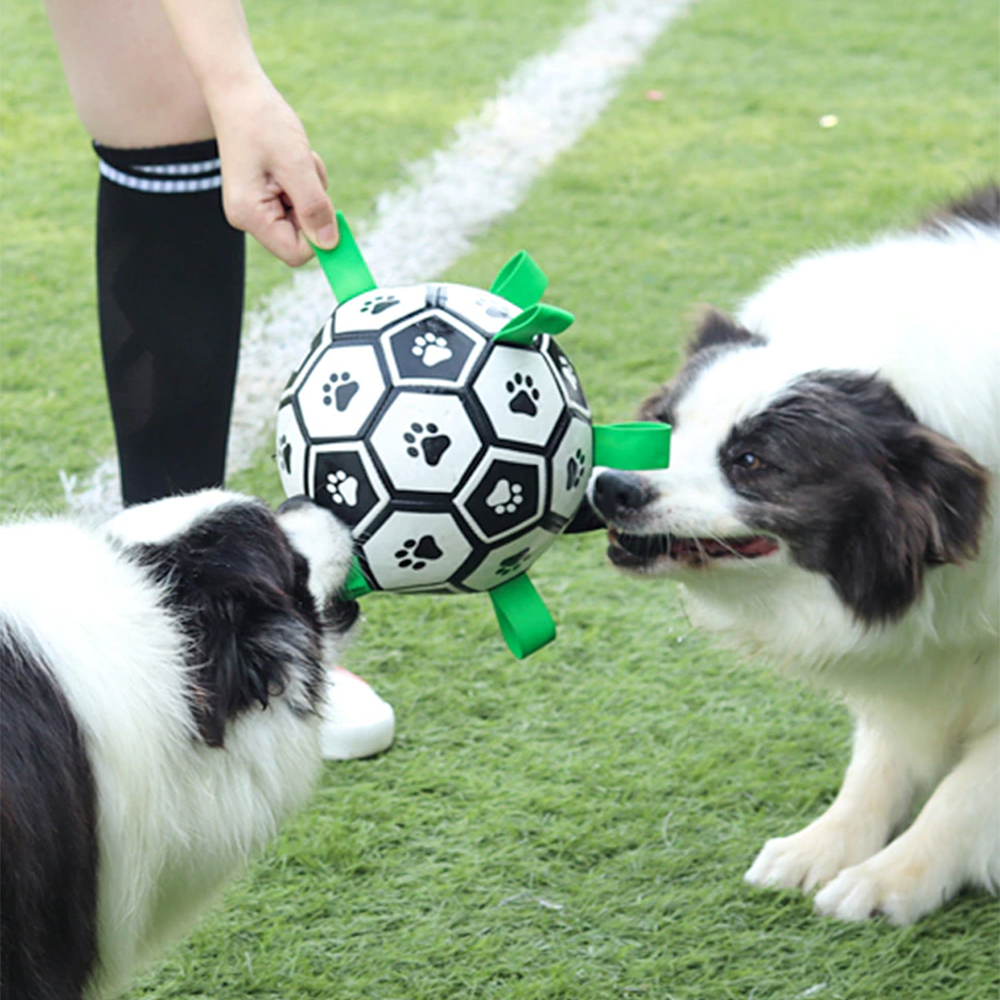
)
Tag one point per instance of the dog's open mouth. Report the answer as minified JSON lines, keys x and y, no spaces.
{"x":640,"y":551}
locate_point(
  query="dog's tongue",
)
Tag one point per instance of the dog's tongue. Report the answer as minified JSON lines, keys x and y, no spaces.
{"x":760,"y":546}
{"x":749,"y":548}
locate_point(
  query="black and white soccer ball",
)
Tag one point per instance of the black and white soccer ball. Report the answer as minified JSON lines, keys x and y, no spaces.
{"x":455,"y":459}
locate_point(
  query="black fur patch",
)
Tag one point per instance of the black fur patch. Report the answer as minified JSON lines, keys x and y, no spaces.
{"x":981,"y":208}
{"x":240,"y":592}
{"x":716,"y":329}
{"x":48,"y":836}
{"x":716,"y":334}
{"x":858,"y":488}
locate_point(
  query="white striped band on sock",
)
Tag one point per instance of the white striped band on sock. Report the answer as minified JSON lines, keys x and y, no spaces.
{"x":211,"y":180}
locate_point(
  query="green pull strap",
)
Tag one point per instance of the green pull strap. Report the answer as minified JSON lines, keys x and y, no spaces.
{"x":520,"y":281}
{"x":525,"y":622}
{"x":356,"y":585}
{"x":344,"y":266}
{"x":632,"y":446}
{"x":536,"y":319}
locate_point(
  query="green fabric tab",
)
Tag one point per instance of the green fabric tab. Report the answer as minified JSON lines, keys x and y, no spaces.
{"x":356,"y":585}
{"x":536,"y":319}
{"x":525,"y":622}
{"x":344,"y":266}
{"x":632,"y":446}
{"x":520,"y":281}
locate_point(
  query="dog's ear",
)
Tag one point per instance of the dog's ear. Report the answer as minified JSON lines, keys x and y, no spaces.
{"x":950,"y":490}
{"x":715,"y":329}
{"x":247,"y":635}
{"x":235,"y":584}
{"x":925,"y":507}
{"x":714,"y":334}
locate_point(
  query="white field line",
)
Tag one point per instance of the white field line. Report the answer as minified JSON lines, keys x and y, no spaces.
{"x":451,"y":198}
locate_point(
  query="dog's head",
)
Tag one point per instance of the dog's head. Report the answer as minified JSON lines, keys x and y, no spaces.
{"x":256,"y":595}
{"x":827,"y":471}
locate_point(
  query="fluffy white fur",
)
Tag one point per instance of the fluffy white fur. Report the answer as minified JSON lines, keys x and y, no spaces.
{"x":176,"y":817}
{"x":921,"y":311}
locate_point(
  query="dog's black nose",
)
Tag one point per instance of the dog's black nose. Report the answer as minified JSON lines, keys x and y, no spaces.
{"x":616,"y":492}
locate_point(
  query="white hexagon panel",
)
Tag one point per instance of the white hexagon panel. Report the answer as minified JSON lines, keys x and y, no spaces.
{"x":572,"y":464}
{"x":414,"y":551}
{"x":339,"y":392}
{"x":506,"y":561}
{"x":291,"y":451}
{"x":484,"y":310}
{"x":425,"y":441}
{"x":519,"y":393}
{"x":305,"y":365}
{"x":343,"y":478}
{"x":505,"y":494}
{"x":431,"y":349}
{"x":379,"y":308}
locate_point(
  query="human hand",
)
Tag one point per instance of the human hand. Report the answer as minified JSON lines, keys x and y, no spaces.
{"x":273,"y":183}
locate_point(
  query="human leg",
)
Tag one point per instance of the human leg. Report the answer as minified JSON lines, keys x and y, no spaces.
{"x":170,"y":268}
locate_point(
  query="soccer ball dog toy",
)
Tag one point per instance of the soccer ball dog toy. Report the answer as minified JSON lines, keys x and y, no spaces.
{"x":445,"y":425}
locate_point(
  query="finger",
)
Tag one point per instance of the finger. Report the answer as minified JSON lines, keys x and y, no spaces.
{"x":285,"y":240}
{"x":312,"y":209}
{"x":321,"y":169}
{"x":275,"y":228}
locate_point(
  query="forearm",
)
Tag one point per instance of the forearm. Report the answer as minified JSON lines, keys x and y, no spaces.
{"x":273,"y":184}
{"x":215,"y":40}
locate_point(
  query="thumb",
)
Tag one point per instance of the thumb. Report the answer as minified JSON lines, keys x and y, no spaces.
{"x":313,"y":209}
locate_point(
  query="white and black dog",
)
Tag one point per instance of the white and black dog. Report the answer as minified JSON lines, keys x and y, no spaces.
{"x":831,"y":506}
{"x":160,"y":686}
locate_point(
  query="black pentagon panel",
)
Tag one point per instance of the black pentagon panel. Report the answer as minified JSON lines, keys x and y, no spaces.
{"x":507,"y":497}
{"x":433,"y":348}
{"x":344,"y":481}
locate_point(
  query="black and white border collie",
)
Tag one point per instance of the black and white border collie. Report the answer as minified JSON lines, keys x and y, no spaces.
{"x":831,"y":506}
{"x":160,"y":686}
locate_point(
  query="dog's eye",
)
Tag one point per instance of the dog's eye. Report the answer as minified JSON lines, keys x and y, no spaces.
{"x":748,"y":462}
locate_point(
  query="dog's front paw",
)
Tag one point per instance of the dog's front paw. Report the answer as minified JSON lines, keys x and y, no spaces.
{"x":796,"y":862}
{"x":810,"y":857}
{"x":893,"y":884}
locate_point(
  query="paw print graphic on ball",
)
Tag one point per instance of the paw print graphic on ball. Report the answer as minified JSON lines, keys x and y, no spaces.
{"x":493,"y":309}
{"x":379,"y":303}
{"x":505,"y":497}
{"x":431,"y":349}
{"x":340,"y":389}
{"x":524,"y":395}
{"x":416,"y":554}
{"x":285,"y":453}
{"x":575,"y":468}
{"x":431,"y":444}
{"x":511,"y":564}
{"x":343,"y":489}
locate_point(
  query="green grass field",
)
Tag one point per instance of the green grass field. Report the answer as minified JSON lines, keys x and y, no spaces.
{"x":575,"y":825}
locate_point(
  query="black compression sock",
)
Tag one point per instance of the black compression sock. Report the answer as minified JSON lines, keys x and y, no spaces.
{"x":170,"y":274}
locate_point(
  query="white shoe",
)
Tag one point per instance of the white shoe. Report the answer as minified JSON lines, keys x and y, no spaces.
{"x":356,"y":721}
